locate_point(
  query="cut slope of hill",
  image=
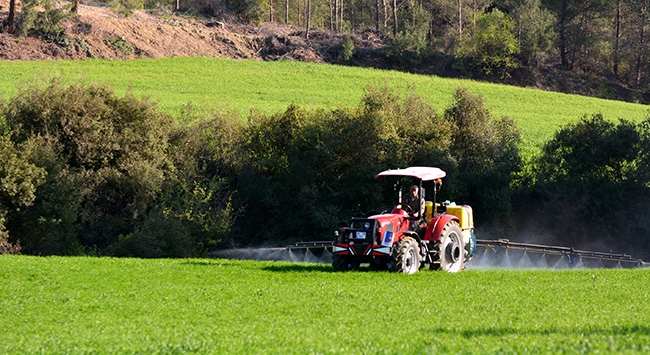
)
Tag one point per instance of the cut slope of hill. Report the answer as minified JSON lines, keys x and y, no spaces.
{"x":98,"y":32}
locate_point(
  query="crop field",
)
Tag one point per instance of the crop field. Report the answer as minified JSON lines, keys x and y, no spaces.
{"x":220,"y":84}
{"x":83,"y":305}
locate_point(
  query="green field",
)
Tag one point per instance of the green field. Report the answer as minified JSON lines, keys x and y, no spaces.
{"x":272,"y":86}
{"x":84,"y":305}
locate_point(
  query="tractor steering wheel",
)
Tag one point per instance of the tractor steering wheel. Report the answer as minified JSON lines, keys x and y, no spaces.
{"x":408,"y":208}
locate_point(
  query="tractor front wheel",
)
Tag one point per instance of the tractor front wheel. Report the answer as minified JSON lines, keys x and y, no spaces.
{"x":341,"y":263}
{"x":451,"y":249}
{"x":406,"y":256}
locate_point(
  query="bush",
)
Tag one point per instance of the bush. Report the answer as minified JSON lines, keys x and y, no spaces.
{"x":19,"y":180}
{"x":126,"y":7}
{"x":119,"y":44}
{"x":48,"y":23}
{"x":106,"y":158}
{"x":346,"y":50}
{"x":207,"y":154}
{"x":310,"y":171}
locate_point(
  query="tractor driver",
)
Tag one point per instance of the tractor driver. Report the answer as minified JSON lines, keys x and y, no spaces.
{"x":414,"y":201}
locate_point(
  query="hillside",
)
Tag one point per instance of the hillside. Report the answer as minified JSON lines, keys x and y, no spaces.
{"x":161,"y":34}
{"x":97,"y":32}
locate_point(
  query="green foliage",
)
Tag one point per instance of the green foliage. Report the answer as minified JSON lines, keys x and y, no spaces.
{"x":491,"y":47}
{"x":118,"y":176}
{"x":207,"y":155}
{"x":244,"y":85}
{"x":346,"y":50}
{"x":486,"y":151}
{"x":126,"y":7}
{"x":106,"y":159}
{"x":48,"y":23}
{"x":83,"y":46}
{"x":248,"y":11}
{"x":319,"y":164}
{"x":410,"y":46}
{"x":106,"y":305}
{"x":536,"y":32}
{"x":48,"y":226}
{"x":109,"y":182}
{"x":19,"y":180}
{"x":119,"y":44}
{"x":591,"y":184}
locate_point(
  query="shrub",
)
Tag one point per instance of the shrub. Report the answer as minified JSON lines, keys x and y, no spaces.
{"x":19,"y":180}
{"x":346,"y":49}
{"x":106,"y":158}
{"x":126,"y":7}
{"x":207,"y":155}
{"x":48,"y":23}
{"x":119,"y":44}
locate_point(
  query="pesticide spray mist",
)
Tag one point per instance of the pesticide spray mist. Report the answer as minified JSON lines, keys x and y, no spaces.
{"x":485,"y":258}
{"x":317,"y":256}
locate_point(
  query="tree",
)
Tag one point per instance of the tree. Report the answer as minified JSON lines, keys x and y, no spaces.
{"x":491,"y":47}
{"x":106,"y":160}
{"x":10,"y":24}
{"x":534,"y":32}
{"x":410,"y":46}
{"x":641,"y":7}
{"x":308,"y":17}
{"x":48,"y":22}
{"x":565,"y":12}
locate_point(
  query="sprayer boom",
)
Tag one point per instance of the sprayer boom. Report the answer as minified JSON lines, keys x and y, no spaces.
{"x":571,"y":253}
{"x":497,"y":245}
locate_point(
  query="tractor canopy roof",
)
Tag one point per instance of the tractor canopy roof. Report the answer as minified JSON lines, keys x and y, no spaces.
{"x":423,"y":173}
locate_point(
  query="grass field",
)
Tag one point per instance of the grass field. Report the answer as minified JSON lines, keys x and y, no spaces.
{"x":83,"y":305}
{"x":272,"y":86}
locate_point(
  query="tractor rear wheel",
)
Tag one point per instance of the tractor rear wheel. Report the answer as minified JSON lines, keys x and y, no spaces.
{"x":406,"y":256}
{"x":451,"y":250}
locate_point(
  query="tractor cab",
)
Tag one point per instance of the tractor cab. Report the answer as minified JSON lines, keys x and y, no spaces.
{"x":411,"y":186}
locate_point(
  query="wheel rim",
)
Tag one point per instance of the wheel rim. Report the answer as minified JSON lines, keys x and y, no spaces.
{"x":453,"y":252}
{"x":409,"y":262}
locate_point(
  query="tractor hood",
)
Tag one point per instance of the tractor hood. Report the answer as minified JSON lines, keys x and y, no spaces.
{"x":423,"y":173}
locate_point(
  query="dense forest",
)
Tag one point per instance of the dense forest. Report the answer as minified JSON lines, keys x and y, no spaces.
{"x":479,"y":38}
{"x":83,"y":171}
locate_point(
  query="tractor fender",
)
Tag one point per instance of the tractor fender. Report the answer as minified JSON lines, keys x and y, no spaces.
{"x":436,"y":225}
{"x":411,"y":234}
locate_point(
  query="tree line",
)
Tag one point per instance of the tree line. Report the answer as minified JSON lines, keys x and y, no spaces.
{"x":86,"y":172}
{"x":485,"y":37}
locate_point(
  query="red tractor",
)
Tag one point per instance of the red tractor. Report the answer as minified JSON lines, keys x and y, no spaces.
{"x":413,"y":234}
